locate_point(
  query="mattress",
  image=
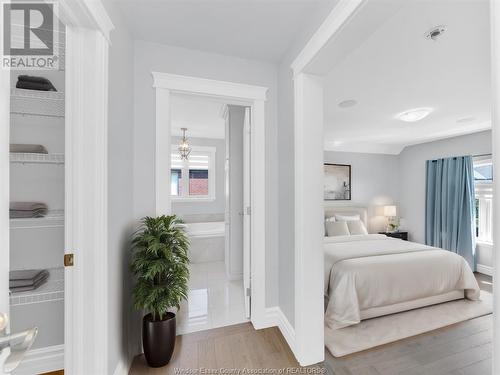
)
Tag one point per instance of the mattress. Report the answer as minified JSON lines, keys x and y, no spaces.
{"x":373,"y":275}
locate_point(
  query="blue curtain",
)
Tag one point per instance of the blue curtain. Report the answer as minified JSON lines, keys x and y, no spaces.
{"x":449,"y":210}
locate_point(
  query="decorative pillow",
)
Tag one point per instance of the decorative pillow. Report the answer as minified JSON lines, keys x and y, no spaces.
{"x":356,"y":227}
{"x":340,"y":217}
{"x":337,"y":228}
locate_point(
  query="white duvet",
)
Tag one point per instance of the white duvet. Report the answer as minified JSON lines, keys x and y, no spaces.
{"x":367,"y":271}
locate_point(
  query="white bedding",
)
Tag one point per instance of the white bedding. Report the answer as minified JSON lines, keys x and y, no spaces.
{"x":367,"y":271}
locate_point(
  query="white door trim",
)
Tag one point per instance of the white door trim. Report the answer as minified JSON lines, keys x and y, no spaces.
{"x":233,"y":93}
{"x":495,"y":104}
{"x":86,"y":189}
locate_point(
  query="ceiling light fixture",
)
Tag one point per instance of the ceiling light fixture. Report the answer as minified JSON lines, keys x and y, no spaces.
{"x":184,"y":147}
{"x":347,"y":103}
{"x":413,"y":115}
{"x":465,"y":119}
{"x":435,"y":33}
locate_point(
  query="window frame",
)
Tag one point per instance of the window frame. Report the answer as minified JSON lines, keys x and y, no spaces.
{"x":185,"y":197}
{"x":483,"y":190}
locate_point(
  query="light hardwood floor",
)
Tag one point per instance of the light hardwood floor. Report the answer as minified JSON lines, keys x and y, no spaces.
{"x":461,"y":349}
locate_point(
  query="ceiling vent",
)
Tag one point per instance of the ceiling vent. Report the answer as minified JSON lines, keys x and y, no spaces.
{"x":435,"y":33}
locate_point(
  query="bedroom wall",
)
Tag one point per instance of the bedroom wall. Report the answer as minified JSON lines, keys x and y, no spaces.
{"x":412,"y":177}
{"x":210,"y":208}
{"x":374,"y":183}
{"x":149,"y":57}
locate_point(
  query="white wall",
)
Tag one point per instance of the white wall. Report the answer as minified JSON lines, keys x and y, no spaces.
{"x":286,"y":229}
{"x":374,"y":183}
{"x":412,"y":177}
{"x":123,"y":329}
{"x":150,"y":57}
{"x":206,"y":207}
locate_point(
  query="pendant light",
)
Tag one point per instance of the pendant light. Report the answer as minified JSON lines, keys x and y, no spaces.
{"x":184,"y":147}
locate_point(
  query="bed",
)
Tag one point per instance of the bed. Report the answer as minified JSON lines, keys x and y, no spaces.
{"x":371,"y":275}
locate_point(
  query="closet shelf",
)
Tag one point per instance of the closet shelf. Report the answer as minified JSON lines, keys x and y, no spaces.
{"x":40,"y":103}
{"x":52,"y":290}
{"x":30,"y":158}
{"x":54,"y":219}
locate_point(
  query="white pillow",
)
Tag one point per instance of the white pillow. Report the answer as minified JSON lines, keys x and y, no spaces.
{"x":340,"y":217}
{"x":330,"y":218}
{"x":356,"y":227}
{"x":337,"y":228}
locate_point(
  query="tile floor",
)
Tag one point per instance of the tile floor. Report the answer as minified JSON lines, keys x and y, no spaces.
{"x":213,"y":301}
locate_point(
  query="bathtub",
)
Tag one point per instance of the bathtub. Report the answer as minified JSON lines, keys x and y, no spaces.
{"x":207,"y":241}
{"x":207,"y":230}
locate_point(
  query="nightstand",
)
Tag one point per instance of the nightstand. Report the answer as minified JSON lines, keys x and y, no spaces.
{"x":401,"y":235}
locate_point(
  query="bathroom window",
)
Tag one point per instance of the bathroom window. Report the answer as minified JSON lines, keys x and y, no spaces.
{"x":193,"y":179}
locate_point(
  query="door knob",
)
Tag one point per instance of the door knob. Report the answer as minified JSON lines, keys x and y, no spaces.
{"x":19,"y":344}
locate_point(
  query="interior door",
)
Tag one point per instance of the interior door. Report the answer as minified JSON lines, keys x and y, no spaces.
{"x":247,"y":212}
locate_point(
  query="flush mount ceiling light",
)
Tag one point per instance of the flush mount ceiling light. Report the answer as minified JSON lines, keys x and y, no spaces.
{"x":435,"y":33}
{"x":347,"y":103}
{"x":184,"y":147}
{"x":413,"y":115}
{"x":465,"y":119}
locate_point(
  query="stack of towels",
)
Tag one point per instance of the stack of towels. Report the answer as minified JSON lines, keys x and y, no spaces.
{"x":27,"y":210}
{"x":26,"y":280}
{"x":34,"y":83}
{"x":28,"y":148}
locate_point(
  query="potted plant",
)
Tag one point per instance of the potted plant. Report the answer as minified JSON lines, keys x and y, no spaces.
{"x":160,"y":264}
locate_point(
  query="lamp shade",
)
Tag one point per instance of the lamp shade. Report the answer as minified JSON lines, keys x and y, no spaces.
{"x":389,"y":211}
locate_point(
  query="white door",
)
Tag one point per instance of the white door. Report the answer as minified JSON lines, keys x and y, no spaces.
{"x":247,"y":212}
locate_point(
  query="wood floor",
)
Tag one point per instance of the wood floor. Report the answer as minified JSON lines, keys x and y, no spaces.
{"x":238,"y":346}
{"x":461,"y":349}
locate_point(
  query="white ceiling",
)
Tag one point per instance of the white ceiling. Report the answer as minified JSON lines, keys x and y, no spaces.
{"x":200,"y":115}
{"x":394,"y":68}
{"x":252,"y":29}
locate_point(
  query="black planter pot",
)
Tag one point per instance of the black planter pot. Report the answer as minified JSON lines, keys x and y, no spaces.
{"x":158,"y":339}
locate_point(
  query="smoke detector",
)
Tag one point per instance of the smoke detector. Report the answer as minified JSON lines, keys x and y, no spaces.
{"x":435,"y":33}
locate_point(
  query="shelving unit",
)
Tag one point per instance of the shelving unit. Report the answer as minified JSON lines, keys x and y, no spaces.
{"x":31,"y":158}
{"x":52,"y":290}
{"x":39,"y":103}
{"x":54,"y":219}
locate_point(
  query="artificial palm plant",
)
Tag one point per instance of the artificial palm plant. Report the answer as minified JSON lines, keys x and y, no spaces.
{"x":160,"y":264}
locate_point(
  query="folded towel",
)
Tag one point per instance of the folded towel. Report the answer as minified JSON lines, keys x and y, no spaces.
{"x":27,"y":148}
{"x":27,"y":275}
{"x":29,"y":282}
{"x":35,"y":86}
{"x":30,"y":287}
{"x":25,"y":210}
{"x":26,"y":78}
{"x":34,"y":83}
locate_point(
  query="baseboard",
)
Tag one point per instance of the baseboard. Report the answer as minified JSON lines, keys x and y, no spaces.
{"x":123,"y":367}
{"x":276,"y":317}
{"x":38,"y":361}
{"x":486,"y":270}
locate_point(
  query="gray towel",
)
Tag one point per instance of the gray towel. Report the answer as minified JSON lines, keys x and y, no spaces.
{"x":24,"y":210}
{"x":23,"y":278}
{"x":28,"y":148}
{"x":36,"y":285}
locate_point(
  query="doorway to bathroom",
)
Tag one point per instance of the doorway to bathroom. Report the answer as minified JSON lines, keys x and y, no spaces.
{"x":207,"y":172}
{"x":210,"y":138}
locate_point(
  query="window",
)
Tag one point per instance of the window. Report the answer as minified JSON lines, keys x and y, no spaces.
{"x":483,"y":178}
{"x":194,"y":178}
